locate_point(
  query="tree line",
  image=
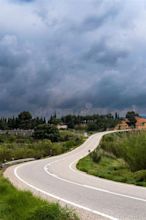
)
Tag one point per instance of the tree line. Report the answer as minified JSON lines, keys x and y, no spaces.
{"x":24,"y":120}
{"x":95,"y":122}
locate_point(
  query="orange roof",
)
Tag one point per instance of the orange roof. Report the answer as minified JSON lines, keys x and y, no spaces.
{"x":140,"y":120}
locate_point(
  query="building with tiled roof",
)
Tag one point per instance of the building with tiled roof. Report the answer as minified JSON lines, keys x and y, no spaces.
{"x":140,"y":124}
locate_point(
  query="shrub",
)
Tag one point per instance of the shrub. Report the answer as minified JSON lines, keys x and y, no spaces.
{"x":25,"y":147}
{"x":131,"y":146}
{"x":46,"y":131}
{"x":52,"y":212}
{"x":96,"y":155}
{"x":5,"y":154}
{"x":140,"y":176}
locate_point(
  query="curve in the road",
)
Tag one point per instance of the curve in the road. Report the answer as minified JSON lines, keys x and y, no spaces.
{"x":57,"y":177}
{"x":83,"y":185}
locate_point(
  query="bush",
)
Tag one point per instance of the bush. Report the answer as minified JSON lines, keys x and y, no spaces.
{"x":25,"y":147}
{"x":5,"y":154}
{"x":131,"y":146}
{"x":140,"y":176}
{"x":72,"y":143}
{"x":52,"y":212}
{"x":96,"y":155}
{"x":46,"y":131}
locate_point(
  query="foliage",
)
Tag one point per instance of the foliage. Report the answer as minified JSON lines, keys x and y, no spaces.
{"x":91,"y":122}
{"x":131,"y":116}
{"x":23,"y":121}
{"x":54,"y":120}
{"x":18,"y":147}
{"x":46,"y":131}
{"x":120,"y":157}
{"x":15,"y":204}
{"x":71,"y":143}
{"x":95,"y":122}
{"x":25,"y":116}
{"x":131,"y":146}
{"x":52,"y":212}
{"x":113,"y":169}
{"x":96,"y":155}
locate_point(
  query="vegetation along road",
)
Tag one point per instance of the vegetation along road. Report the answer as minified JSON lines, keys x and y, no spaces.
{"x":58,"y":178}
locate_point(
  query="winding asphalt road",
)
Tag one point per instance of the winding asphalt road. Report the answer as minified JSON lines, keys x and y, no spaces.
{"x":58,"y":177}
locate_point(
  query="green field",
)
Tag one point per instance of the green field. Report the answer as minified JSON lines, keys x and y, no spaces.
{"x":21,"y":205}
{"x":120,"y":157}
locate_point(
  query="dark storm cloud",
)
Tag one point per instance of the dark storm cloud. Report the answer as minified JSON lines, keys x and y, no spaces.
{"x":95,"y":21}
{"x":22,"y":1}
{"x":73,"y":55}
{"x":103,"y":55}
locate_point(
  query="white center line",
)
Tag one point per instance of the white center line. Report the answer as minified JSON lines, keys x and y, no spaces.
{"x":59,"y":198}
{"x":46,"y":169}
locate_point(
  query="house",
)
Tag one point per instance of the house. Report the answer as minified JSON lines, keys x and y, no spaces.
{"x":62,"y":127}
{"x":140,"y":124}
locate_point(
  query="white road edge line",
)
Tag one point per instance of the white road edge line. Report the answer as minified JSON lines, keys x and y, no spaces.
{"x":59,"y":198}
{"x":67,"y":201}
{"x":87,"y":186}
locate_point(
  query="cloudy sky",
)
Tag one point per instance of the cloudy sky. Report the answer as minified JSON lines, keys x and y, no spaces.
{"x":72,"y":56}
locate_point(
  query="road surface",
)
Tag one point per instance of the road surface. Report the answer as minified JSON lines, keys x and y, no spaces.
{"x":58,"y":178}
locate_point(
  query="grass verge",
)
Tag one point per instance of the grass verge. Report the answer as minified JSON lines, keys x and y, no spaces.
{"x":120,"y":157}
{"x":16,"y":205}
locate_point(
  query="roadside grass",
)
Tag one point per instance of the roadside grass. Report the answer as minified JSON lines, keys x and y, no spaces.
{"x":130,"y":146}
{"x":22,"y":205}
{"x":120,"y":157}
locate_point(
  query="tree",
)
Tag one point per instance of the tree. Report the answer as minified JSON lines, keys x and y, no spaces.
{"x":25,"y":120}
{"x":131,"y":116}
{"x":69,"y":120}
{"x":3,"y":124}
{"x":54,"y":120}
{"x":116,"y":115}
{"x":47,"y":131}
{"x":23,"y":116}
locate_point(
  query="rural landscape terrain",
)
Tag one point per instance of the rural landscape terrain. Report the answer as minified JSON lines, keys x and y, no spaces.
{"x":72,"y":110}
{"x":119,"y":156}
